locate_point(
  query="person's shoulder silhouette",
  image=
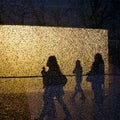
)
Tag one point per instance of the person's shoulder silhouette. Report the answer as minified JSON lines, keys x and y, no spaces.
{"x":54,"y":73}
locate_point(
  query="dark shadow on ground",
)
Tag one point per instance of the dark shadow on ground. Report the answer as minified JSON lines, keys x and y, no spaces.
{"x":14,"y":107}
{"x":17,"y":107}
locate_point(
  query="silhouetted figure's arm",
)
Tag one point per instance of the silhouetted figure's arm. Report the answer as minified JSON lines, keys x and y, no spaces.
{"x":43,"y":72}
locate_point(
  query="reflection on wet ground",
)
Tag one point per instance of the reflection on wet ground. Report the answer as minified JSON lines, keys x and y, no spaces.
{"x":28,"y":107}
{"x":25,"y":101}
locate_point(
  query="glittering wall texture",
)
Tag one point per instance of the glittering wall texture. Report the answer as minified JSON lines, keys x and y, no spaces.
{"x":24,"y":50}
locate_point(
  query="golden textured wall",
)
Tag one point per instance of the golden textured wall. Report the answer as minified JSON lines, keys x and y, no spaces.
{"x":25,"y":49}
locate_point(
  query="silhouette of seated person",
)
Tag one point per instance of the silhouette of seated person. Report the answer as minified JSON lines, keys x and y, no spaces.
{"x":53,"y":88}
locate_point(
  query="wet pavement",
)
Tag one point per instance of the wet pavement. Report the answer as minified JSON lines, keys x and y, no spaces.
{"x":28,"y":105}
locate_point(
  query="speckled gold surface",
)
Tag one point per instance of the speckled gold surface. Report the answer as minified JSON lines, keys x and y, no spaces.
{"x":24,"y":50}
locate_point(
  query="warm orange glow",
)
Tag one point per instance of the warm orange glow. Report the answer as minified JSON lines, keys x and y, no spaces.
{"x":25,"y":49}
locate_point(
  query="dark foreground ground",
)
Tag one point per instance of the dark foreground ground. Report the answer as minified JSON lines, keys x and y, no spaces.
{"x":29,"y":105}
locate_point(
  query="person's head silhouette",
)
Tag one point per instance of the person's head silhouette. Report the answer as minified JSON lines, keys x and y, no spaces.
{"x":52,"y":63}
{"x":77,"y":62}
{"x":98,"y":58}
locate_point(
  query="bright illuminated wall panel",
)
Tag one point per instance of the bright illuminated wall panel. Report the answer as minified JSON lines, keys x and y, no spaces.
{"x":25,"y":49}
